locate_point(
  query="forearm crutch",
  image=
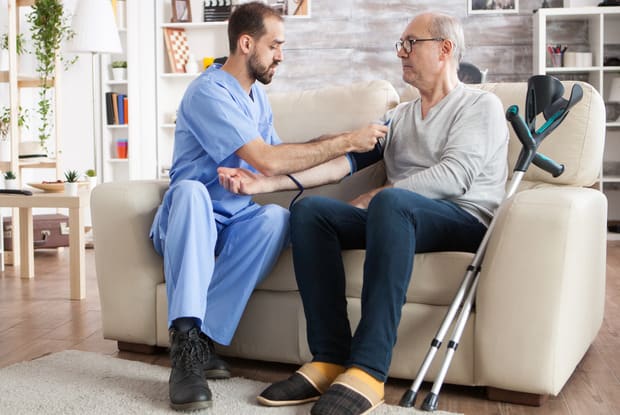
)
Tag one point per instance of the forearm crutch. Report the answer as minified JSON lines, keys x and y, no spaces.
{"x":544,"y":95}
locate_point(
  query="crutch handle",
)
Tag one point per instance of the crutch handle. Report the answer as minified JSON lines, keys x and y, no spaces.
{"x":518,"y":124}
{"x":548,"y":165}
{"x":530,"y":145}
{"x":525,"y":137}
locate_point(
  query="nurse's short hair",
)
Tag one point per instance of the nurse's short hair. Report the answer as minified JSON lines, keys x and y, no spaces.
{"x":249,"y":19}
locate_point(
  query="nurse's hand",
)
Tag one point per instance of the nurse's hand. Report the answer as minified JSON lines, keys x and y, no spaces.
{"x":364,"y":139}
{"x":241,"y":181}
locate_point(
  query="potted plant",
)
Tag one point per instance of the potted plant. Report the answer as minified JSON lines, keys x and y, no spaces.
{"x":4,"y":49}
{"x":10,"y":180}
{"x":71,"y":182}
{"x":119,"y":70}
{"x":91,"y":176}
{"x":5,"y":129}
{"x":49,"y":27}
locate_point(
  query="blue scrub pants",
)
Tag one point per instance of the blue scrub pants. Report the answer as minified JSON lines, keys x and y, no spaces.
{"x":397,"y":224}
{"x":212,"y":267}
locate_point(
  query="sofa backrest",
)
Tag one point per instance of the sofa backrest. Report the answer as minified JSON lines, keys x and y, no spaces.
{"x":303,"y":115}
{"x":577,"y":143}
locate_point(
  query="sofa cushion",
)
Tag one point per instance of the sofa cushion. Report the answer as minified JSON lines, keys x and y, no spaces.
{"x":302,"y":115}
{"x":436,"y":276}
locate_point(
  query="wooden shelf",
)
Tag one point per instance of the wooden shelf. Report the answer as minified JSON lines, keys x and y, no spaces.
{"x":196,"y":25}
{"x":37,"y":164}
{"x":23,"y":81}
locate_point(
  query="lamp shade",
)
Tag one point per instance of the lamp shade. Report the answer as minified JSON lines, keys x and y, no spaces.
{"x":614,"y":91}
{"x":95,"y":28}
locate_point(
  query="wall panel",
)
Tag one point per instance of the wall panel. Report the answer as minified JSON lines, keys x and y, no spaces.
{"x":353,"y":40}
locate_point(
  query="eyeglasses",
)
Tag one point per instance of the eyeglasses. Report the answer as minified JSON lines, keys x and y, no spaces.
{"x":407,"y":44}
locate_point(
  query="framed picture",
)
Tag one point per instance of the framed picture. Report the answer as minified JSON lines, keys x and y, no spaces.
{"x":177,"y":48}
{"x":181,"y":11}
{"x":291,"y":8}
{"x":492,"y":6}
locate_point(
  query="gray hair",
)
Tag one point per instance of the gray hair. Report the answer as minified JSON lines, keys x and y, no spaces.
{"x":449,"y":27}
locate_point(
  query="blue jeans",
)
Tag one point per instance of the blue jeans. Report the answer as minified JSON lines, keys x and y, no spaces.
{"x":397,"y":224}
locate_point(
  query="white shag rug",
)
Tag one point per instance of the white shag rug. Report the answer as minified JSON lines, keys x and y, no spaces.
{"x":75,"y":382}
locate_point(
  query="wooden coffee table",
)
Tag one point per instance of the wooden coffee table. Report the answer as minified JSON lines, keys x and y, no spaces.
{"x":24,"y":251}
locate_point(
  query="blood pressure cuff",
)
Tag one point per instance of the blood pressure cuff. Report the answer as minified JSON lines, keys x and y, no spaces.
{"x":359,"y":161}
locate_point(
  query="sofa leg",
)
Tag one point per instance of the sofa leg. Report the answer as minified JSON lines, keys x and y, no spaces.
{"x":520,"y":398}
{"x":139,"y":348}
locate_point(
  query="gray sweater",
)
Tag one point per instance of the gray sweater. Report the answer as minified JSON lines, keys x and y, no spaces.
{"x":457,"y":153}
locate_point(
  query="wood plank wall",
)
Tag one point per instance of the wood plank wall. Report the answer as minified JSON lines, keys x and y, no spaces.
{"x":353,"y":40}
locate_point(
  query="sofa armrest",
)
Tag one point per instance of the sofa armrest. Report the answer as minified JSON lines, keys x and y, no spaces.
{"x":541,"y":295}
{"x":128,"y":268}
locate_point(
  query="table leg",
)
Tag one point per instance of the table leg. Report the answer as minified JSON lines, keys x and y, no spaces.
{"x":26,"y":243}
{"x":77,"y":268}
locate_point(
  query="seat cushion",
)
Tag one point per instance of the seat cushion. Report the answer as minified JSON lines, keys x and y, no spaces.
{"x":436,"y":276}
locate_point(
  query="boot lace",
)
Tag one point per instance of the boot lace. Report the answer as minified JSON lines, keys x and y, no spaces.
{"x":191,"y":352}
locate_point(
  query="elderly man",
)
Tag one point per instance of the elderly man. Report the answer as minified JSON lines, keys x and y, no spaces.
{"x":445,"y":159}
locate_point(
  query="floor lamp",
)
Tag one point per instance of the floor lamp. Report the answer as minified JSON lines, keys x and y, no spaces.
{"x":95,"y":33}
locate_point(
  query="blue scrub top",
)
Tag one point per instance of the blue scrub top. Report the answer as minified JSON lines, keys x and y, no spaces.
{"x":216,"y":117}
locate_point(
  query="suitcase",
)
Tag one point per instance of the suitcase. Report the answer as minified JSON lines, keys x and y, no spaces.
{"x":50,"y":231}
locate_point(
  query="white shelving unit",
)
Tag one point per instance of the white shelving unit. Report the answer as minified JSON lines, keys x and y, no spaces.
{"x":13,"y":84}
{"x":603,"y":40}
{"x":111,"y":166}
{"x":137,"y":41}
{"x":16,"y":82}
{"x":205,"y":39}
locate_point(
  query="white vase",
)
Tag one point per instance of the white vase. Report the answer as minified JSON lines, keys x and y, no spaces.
{"x":11,"y":184}
{"x":71,"y":188}
{"x":92,"y":182}
{"x":5,"y":150}
{"x":119,"y":74}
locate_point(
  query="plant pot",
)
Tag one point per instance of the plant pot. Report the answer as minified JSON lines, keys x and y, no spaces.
{"x":92,"y":182}
{"x":5,"y":150}
{"x":119,"y":74}
{"x":11,"y":184}
{"x":71,"y":188}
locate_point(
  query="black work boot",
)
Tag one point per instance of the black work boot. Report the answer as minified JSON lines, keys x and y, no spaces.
{"x":188,"y":387}
{"x":215,"y":367}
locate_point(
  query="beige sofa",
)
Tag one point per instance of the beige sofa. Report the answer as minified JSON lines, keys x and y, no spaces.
{"x":540,"y":300}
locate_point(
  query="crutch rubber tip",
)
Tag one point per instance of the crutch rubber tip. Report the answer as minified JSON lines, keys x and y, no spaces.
{"x":430,"y":402}
{"x":408,"y":399}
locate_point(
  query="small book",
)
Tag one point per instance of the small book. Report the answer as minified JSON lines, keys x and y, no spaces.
{"x":109,"y":108}
{"x":125,"y":109}
{"x":115,"y":106}
{"x":121,"y":110}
